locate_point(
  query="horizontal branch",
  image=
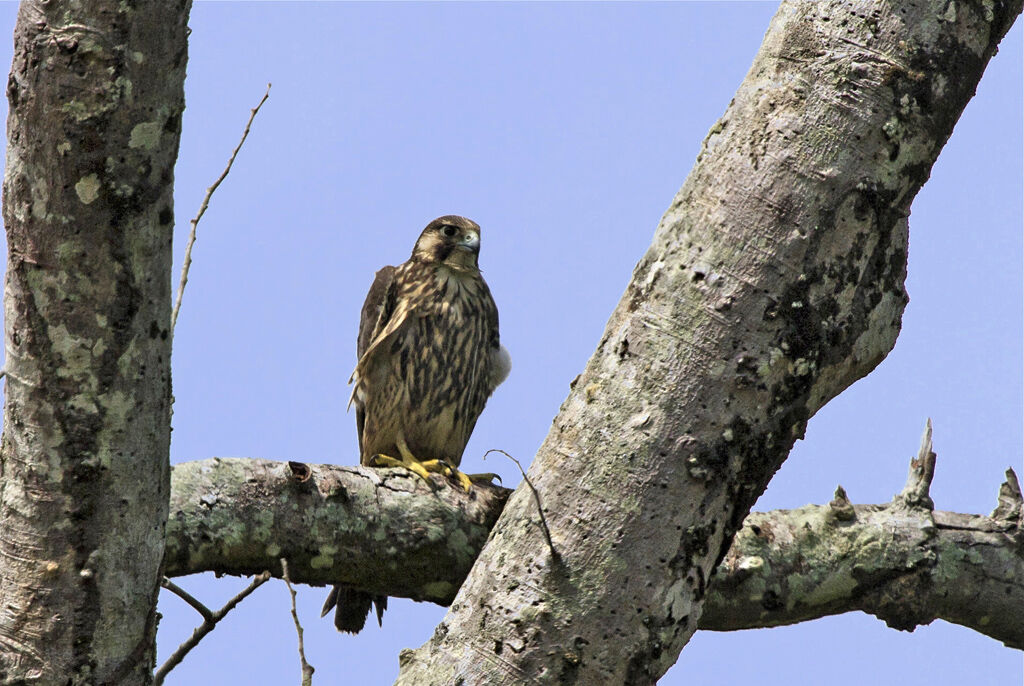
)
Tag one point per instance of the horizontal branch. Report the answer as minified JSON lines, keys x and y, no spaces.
{"x":386,"y":531}
{"x":334,"y":524}
{"x":905,"y":566}
{"x":901,"y":562}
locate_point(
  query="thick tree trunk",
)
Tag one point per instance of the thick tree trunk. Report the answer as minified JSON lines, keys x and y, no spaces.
{"x":774,"y":281}
{"x":96,"y":97}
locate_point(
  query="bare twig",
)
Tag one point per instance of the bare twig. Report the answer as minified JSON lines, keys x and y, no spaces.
{"x":536,"y":499}
{"x":307,"y":669}
{"x":202,"y":210}
{"x":188,"y":598}
{"x":210,"y":620}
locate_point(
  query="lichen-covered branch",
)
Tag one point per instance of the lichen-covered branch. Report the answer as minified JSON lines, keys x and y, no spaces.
{"x":352,"y":525}
{"x":96,"y":95}
{"x":907,"y":565}
{"x":773,"y":282}
{"x":901,"y":562}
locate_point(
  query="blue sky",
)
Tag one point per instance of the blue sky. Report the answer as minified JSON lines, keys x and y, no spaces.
{"x":564,"y":130}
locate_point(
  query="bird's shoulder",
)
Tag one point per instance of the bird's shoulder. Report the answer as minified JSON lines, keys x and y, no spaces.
{"x":396,"y":294}
{"x":374,"y":306}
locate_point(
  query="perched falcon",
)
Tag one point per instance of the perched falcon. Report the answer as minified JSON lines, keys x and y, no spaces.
{"x":429,"y":357}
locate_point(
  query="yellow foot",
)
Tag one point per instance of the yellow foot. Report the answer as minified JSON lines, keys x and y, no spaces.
{"x":462,"y":479}
{"x":425,"y":467}
{"x":445,"y":468}
{"x":465,"y":480}
{"x":413,"y":466}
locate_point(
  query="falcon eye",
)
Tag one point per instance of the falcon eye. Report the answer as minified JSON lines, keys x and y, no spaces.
{"x":449,"y":230}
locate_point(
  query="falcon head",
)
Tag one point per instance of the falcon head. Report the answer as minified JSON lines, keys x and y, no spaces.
{"x":450,"y":240}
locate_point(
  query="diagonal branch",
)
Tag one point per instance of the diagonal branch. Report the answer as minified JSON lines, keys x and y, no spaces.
{"x":210,"y":621}
{"x":774,"y":281}
{"x":197,"y":605}
{"x":206,"y":203}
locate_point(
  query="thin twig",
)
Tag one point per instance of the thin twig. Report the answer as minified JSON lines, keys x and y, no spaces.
{"x":307,"y":669}
{"x":536,"y":498}
{"x":210,"y":620}
{"x":177,"y":590}
{"x":202,"y":210}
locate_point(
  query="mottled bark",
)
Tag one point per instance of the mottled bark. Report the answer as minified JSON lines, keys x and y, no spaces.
{"x":902,"y":562}
{"x":333,"y":524}
{"x":907,"y":567}
{"x":905,"y":564}
{"x":774,"y":281}
{"x":96,"y":96}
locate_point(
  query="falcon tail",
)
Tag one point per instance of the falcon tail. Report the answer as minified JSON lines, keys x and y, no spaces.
{"x":351,"y":608}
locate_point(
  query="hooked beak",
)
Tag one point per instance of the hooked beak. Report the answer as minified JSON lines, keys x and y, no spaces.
{"x":470,"y":242}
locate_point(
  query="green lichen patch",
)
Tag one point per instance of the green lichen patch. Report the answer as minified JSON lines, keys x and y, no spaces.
{"x":88,"y":188}
{"x":145,"y":135}
{"x":438,"y":589}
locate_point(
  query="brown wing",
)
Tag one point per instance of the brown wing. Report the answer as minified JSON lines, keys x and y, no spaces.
{"x":370,"y":320}
{"x":377,"y":310}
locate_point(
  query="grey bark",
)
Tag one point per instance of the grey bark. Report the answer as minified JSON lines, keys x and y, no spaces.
{"x":96,"y":96}
{"x":900,"y":561}
{"x":907,"y":567}
{"x":774,"y":281}
{"x":383,"y":531}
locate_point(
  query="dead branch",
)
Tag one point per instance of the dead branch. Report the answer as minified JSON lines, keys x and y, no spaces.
{"x":210,"y":620}
{"x":307,"y":669}
{"x":202,"y":209}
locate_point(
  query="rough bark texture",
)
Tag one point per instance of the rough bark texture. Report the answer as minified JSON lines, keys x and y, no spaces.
{"x":386,"y":532}
{"x":96,"y":96}
{"x":774,"y":281}
{"x":333,"y":524}
{"x":905,"y":565}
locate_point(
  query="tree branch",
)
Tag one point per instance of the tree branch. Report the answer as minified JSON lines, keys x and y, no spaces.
{"x":210,"y":620}
{"x":306,"y":669}
{"x":194,"y":222}
{"x":789,"y":566}
{"x":905,"y":565}
{"x":785,"y":566}
{"x":352,"y":525}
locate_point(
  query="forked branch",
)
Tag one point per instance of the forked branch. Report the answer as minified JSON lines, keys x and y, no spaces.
{"x":210,"y":620}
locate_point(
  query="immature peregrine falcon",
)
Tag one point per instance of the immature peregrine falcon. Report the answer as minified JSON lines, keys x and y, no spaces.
{"x":429,"y":357}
